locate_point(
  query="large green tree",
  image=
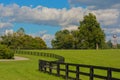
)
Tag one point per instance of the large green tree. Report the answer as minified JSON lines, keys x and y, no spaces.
{"x":91,"y":35}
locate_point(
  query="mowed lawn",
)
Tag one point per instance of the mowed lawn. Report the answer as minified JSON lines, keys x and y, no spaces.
{"x":107,"y":58}
{"x":28,"y":70}
{"x":24,"y":70}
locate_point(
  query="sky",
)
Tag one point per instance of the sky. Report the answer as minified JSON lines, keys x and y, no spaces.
{"x":45,"y":17}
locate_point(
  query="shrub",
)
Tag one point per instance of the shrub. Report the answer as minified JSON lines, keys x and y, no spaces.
{"x":5,"y":52}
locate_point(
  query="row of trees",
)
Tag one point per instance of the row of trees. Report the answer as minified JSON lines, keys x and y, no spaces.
{"x":20,"y":40}
{"x":89,"y":35}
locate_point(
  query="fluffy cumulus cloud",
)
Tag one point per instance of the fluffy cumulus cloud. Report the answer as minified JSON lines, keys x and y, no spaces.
{"x":41,"y":15}
{"x":107,"y":13}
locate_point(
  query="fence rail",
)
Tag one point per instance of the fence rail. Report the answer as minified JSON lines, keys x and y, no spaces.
{"x":47,"y":66}
{"x":59,"y":58}
{"x":56,"y":68}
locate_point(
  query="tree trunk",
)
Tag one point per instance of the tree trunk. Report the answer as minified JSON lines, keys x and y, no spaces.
{"x":97,"y":47}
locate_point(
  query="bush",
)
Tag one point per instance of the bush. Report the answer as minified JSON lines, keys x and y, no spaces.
{"x":5,"y":52}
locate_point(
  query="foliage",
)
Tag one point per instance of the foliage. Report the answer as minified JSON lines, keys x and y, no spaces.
{"x":89,"y":35}
{"x":20,"y":40}
{"x":5,"y":52}
{"x":118,"y":46}
{"x":63,"y":40}
{"x":21,"y":31}
{"x":109,"y":44}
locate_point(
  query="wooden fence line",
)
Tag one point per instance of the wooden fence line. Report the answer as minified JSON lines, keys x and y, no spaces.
{"x":54,"y":67}
{"x":59,"y":58}
{"x":46,"y":66}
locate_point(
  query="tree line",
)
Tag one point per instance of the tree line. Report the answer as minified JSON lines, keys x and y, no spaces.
{"x":20,"y":40}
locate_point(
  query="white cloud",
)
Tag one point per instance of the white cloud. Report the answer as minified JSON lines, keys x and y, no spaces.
{"x":107,"y":16}
{"x":55,"y":17}
{"x":48,"y":38}
{"x":99,"y":4}
{"x":70,"y":28}
{"x":66,"y":18}
{"x":5,"y":24}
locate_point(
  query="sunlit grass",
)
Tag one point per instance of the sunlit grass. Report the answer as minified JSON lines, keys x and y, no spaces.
{"x":28,"y":70}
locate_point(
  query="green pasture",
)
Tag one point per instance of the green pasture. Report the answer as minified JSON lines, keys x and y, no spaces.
{"x":28,"y":69}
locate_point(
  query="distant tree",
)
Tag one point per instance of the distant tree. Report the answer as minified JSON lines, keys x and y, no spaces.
{"x":118,"y":46}
{"x":21,"y":31}
{"x":91,"y":35}
{"x":63,"y":40}
{"x":109,"y":44}
{"x":20,"y":40}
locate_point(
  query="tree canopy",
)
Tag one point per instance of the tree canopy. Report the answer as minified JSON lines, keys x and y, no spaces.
{"x":63,"y":39}
{"x":89,"y":35}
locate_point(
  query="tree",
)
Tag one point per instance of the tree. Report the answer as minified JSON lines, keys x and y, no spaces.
{"x":109,"y":44}
{"x":20,"y":40}
{"x":21,"y":31}
{"x":5,"y":52}
{"x":91,"y":35}
{"x":63,"y":40}
{"x":75,"y":34}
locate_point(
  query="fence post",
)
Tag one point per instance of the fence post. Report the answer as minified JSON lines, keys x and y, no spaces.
{"x":67,"y":68}
{"x":109,"y":74}
{"x":58,"y":69}
{"x":45,"y":65}
{"x":77,"y":72}
{"x":91,"y":73}
{"x":50,"y":67}
{"x":40,"y":65}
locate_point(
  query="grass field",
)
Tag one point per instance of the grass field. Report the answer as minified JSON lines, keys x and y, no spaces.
{"x":28,"y":70}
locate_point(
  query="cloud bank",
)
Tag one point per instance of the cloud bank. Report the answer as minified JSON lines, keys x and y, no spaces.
{"x":65,"y":18}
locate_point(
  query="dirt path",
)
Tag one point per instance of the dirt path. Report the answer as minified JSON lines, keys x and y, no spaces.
{"x":16,"y":58}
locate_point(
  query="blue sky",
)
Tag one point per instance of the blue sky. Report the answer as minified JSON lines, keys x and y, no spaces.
{"x":45,"y":17}
{"x":33,"y":3}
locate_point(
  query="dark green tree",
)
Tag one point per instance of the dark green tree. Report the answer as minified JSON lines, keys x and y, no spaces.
{"x":109,"y":44}
{"x":91,"y":36}
{"x":63,"y":40}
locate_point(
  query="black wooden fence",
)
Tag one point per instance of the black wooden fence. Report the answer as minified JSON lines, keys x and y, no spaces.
{"x":48,"y":66}
{"x":59,"y":68}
